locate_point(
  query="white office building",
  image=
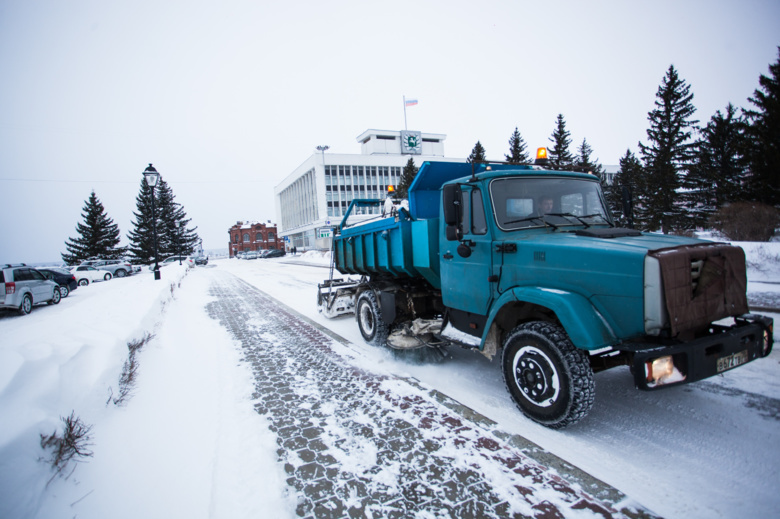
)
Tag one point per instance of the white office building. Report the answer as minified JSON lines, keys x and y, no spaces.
{"x":315,"y":196}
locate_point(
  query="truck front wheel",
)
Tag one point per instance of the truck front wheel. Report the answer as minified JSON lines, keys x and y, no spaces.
{"x":369,"y":318}
{"x":549,"y":379}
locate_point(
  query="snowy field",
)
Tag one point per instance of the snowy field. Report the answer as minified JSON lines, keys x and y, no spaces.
{"x":187,"y":443}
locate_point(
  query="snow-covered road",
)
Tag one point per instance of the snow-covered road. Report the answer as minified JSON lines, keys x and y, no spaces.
{"x":188,"y":442}
{"x":356,"y":443}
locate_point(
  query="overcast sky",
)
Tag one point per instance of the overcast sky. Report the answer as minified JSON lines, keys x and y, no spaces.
{"x":227,"y":98}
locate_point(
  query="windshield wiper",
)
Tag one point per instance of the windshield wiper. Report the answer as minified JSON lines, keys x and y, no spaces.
{"x":583,"y":222}
{"x":529,"y":218}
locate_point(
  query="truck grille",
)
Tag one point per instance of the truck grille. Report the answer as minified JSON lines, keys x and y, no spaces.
{"x":696,"y":267}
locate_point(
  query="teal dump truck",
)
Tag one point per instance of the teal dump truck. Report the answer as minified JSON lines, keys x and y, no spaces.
{"x":527,"y":263}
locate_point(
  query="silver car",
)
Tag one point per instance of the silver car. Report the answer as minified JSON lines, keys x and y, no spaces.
{"x":21,"y":287}
{"x":117,"y":268}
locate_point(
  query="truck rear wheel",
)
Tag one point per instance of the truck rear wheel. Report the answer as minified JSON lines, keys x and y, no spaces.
{"x":549,"y":379}
{"x":369,"y":317}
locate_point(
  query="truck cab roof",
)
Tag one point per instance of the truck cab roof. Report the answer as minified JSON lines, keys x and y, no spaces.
{"x":424,"y":199}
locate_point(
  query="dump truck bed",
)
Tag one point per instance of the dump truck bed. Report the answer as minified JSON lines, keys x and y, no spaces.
{"x":392,"y":247}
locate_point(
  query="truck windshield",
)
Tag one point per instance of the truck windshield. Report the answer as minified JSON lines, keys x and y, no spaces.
{"x":520,"y":203}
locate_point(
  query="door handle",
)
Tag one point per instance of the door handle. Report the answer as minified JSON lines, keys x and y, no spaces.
{"x":447,"y":255}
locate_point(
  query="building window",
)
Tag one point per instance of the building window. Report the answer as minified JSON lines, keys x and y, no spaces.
{"x":246,"y":236}
{"x":270,"y":236}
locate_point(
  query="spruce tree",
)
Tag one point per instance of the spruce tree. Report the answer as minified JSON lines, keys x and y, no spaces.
{"x":717,"y":174}
{"x":584,"y":163}
{"x":174,"y":238}
{"x":98,"y":235}
{"x":560,"y":157}
{"x":173,"y":235}
{"x":518,"y":153}
{"x":407,"y":177}
{"x":141,"y":237}
{"x":477,"y":154}
{"x":764,"y":134}
{"x":628,"y":179}
{"x":669,"y":154}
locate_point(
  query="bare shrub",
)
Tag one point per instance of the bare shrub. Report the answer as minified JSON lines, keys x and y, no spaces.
{"x":72,"y":445}
{"x":129,"y":371}
{"x":764,"y":261}
{"x":747,"y":221}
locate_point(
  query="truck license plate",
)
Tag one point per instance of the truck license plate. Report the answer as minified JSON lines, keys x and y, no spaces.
{"x":732,"y":361}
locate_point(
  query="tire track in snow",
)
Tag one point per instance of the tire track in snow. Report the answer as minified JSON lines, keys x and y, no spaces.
{"x":357,"y":444}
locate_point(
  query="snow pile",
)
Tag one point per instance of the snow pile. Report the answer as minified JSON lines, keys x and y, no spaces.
{"x":187,"y":442}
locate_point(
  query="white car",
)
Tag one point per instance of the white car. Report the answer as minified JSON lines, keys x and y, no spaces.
{"x":172,"y":260}
{"x":86,"y":275}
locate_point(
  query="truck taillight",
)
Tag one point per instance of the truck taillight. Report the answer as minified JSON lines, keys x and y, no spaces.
{"x":10,"y":288}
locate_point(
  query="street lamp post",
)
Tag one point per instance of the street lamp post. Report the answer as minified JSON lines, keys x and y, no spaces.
{"x":152,"y":177}
{"x":178,"y":240}
{"x":322,"y":149}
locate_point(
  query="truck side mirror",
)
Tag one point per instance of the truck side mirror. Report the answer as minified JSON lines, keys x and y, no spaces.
{"x":451,"y":203}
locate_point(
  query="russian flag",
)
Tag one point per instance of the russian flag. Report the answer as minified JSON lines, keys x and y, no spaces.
{"x":410,"y":102}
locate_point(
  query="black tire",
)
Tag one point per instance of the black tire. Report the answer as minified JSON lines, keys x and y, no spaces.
{"x":56,"y":297}
{"x":369,"y":318}
{"x":107,"y":276}
{"x":120,"y":273}
{"x":64,"y":290}
{"x":550,"y":380}
{"x":27,"y":304}
{"x":83,"y":282}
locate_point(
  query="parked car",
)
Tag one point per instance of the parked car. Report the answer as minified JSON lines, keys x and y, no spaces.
{"x":201,"y":260}
{"x":86,"y":275}
{"x":21,"y":287}
{"x":274,"y":253}
{"x":170,"y":260}
{"x":64,"y":278}
{"x":117,"y":267}
{"x":252,"y":255}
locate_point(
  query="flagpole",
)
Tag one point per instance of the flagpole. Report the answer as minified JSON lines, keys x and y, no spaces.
{"x":405,"y":127}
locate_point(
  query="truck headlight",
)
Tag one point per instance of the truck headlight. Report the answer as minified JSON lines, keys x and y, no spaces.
{"x":767,"y":346}
{"x":662,"y":371}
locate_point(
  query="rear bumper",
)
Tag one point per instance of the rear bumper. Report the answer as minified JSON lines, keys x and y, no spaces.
{"x":748,"y":339}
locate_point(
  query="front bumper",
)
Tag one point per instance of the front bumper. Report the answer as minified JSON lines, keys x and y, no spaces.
{"x":727,"y":347}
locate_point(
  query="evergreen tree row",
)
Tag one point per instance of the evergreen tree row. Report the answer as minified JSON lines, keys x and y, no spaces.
{"x":99,"y":237}
{"x":684,"y":173}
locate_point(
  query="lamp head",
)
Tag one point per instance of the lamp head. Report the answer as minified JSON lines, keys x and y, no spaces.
{"x":151,"y":175}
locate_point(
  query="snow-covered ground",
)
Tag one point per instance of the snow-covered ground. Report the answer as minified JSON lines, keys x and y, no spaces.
{"x":187,"y":442}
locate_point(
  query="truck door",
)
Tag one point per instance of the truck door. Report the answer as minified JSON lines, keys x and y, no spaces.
{"x":464,"y":277}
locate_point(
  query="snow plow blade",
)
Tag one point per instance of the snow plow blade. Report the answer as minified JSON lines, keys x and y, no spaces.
{"x":336,"y":297}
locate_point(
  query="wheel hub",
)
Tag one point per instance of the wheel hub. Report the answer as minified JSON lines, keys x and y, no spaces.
{"x":536,"y":376}
{"x":366,"y":319}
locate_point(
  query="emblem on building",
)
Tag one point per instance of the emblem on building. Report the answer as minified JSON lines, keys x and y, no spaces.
{"x":411,"y":143}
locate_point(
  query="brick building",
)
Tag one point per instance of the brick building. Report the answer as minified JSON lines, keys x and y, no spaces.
{"x":253,"y":236}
